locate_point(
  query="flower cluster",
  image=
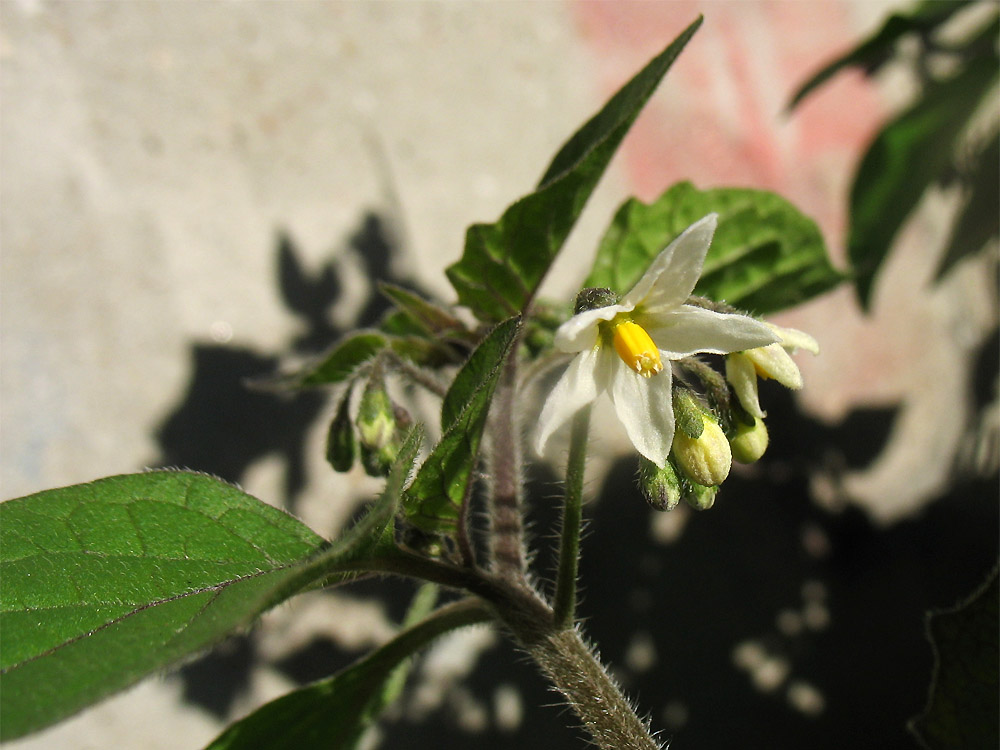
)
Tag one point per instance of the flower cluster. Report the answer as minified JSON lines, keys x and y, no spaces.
{"x":627,"y":348}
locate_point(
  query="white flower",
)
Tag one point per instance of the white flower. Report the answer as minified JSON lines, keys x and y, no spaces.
{"x":621,"y":347}
{"x":771,"y":361}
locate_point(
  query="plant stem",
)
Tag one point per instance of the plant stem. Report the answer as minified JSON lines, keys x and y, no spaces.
{"x":576,"y":672}
{"x":506,"y":534}
{"x":569,"y":547}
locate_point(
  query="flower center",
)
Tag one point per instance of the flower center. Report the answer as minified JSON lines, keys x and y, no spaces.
{"x":637,"y":349}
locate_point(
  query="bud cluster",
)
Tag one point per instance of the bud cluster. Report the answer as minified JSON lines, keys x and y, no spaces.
{"x":377,"y":432}
{"x":720,"y":424}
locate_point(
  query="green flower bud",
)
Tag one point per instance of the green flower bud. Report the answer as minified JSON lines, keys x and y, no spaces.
{"x":593,"y":298}
{"x":698,"y":496}
{"x":707,"y":458}
{"x":660,"y":486}
{"x":341,"y":444}
{"x":377,"y":428}
{"x":749,"y":442}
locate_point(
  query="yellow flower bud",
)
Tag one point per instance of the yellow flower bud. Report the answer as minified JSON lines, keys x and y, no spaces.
{"x":707,"y":458}
{"x":749,"y":442}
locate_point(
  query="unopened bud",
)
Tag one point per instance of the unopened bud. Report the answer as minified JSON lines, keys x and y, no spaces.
{"x":341,"y":444}
{"x":660,"y":486}
{"x":593,"y":298}
{"x":707,"y":458}
{"x":698,"y":496}
{"x":749,"y":442}
{"x":377,"y":429}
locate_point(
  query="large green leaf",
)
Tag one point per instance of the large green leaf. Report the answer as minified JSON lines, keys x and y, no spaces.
{"x":332,"y":714}
{"x":880,"y":47}
{"x":962,"y":708}
{"x":765,"y":256}
{"x":104,"y":583}
{"x":435,"y":498}
{"x":906,"y":157}
{"x":503,"y":263}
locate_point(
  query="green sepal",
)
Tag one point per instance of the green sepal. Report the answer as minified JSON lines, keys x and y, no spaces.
{"x":689,"y":416}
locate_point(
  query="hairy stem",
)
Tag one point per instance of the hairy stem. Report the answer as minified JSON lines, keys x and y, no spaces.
{"x":564,"y":605}
{"x":506,"y":534}
{"x":576,"y":672}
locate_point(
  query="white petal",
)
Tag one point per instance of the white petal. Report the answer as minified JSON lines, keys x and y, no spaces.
{"x":774,"y":362}
{"x":742,"y":375}
{"x":582,"y":382}
{"x":690,"y":330}
{"x":794,"y":340}
{"x":672,"y":276}
{"x":643,"y":405}
{"x":580,"y":332}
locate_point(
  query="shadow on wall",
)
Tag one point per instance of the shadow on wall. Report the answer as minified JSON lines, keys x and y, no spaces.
{"x":769,"y":620}
{"x":222,"y":426}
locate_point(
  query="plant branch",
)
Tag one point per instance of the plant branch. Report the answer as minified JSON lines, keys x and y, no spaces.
{"x":576,"y":671}
{"x":569,"y":547}
{"x":507,"y":554}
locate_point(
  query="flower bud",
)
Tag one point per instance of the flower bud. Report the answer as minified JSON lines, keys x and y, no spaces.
{"x":698,"y":496}
{"x":749,"y":442}
{"x":592,"y":298}
{"x":377,"y":428}
{"x":707,"y":458}
{"x":341,"y":444}
{"x":660,"y":486}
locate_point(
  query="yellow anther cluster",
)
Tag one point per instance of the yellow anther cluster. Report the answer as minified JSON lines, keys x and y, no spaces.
{"x":637,"y":349}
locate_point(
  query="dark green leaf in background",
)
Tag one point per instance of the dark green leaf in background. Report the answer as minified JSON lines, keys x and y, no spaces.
{"x":979,"y":219}
{"x":435,"y":498}
{"x":880,"y":47}
{"x":765,"y":256}
{"x":962,"y":712}
{"x":907,"y":156}
{"x":503,"y":263}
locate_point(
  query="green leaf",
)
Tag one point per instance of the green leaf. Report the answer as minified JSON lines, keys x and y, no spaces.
{"x":333,"y":713}
{"x":962,"y":709}
{"x":909,"y":154}
{"x":503,"y":263}
{"x":435,"y":498}
{"x":432,"y":319}
{"x":765,"y":256}
{"x":880,"y":47}
{"x":340,"y":363}
{"x":107,"y":582}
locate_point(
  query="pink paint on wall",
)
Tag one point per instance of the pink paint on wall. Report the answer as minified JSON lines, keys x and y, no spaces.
{"x":719,"y":118}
